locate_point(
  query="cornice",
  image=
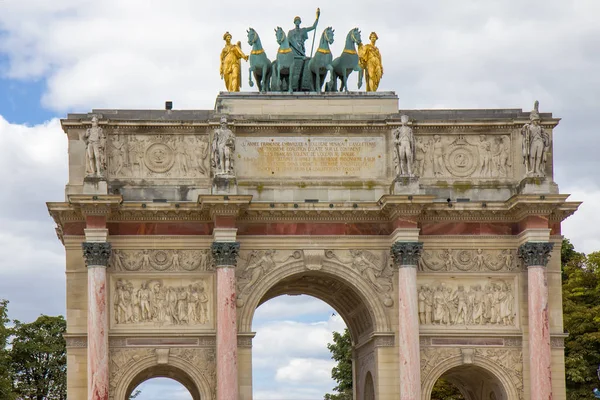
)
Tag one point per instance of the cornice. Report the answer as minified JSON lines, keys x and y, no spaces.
{"x":419,"y":208}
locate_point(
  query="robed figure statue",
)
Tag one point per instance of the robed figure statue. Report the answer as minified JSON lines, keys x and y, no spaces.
{"x":298,"y":36}
{"x":231,"y":65}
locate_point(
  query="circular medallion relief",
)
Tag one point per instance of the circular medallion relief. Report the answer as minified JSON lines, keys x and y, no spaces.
{"x":160,"y":260}
{"x":461,"y":161}
{"x":159,"y":157}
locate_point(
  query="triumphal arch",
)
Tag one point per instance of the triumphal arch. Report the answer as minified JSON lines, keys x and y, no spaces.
{"x":434,"y":233}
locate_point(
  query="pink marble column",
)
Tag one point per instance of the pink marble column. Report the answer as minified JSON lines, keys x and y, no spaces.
{"x":406,"y":255}
{"x":535,"y":256}
{"x":225,"y":254}
{"x":96,"y":256}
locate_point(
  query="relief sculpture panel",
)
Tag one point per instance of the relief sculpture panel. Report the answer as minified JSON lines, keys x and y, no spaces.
{"x":162,"y":303}
{"x":468,"y":304}
{"x":461,"y":156}
{"x":158,"y":156}
{"x":469,"y":260}
{"x":161,"y":260}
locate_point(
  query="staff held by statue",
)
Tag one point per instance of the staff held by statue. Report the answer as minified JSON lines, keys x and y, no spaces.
{"x":315,"y":32}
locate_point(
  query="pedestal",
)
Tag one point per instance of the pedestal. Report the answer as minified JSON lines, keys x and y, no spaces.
{"x":406,"y":185}
{"x":224,"y":184}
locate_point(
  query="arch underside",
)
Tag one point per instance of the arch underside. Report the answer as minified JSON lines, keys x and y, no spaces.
{"x":164,"y":371}
{"x":338,"y":294}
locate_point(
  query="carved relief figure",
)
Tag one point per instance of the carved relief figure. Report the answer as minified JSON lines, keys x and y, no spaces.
{"x":404,"y":141}
{"x":372,"y":269}
{"x":536,"y":141}
{"x":370,"y":62}
{"x":158,"y":304}
{"x":421,"y":153}
{"x":439,"y":167}
{"x":95,"y":150}
{"x":444,"y":305}
{"x":484,"y":156}
{"x":223,"y":148}
{"x":258,"y":263}
{"x":231,"y":65}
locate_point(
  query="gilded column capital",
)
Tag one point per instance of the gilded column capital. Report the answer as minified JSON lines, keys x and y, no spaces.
{"x":225,"y":253}
{"x":535,"y":254}
{"x":96,"y":253}
{"x":406,"y":254}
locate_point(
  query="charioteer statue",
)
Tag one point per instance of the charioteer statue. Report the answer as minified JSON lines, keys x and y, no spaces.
{"x":293,"y":70}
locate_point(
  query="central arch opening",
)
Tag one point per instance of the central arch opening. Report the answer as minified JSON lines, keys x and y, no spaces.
{"x":294,"y":322}
{"x":468,"y":382}
{"x":162,"y":382}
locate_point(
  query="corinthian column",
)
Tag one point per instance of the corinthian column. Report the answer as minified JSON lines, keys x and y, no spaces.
{"x":406,"y":256}
{"x":225,"y":254}
{"x":535,"y":256}
{"x":96,"y":256}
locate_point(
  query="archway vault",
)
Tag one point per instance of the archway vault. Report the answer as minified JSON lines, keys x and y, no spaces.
{"x":342,"y":288}
{"x":479,"y":379}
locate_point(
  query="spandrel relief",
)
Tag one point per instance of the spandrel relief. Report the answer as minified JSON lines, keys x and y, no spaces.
{"x":161,"y":260}
{"x":469,"y":303}
{"x":468,"y":260}
{"x":158,"y":156}
{"x":461,"y":156}
{"x":158,"y":303}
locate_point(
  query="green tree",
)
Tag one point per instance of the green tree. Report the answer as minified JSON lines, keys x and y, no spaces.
{"x":39,"y":360}
{"x":341,"y":351}
{"x":581,"y":309}
{"x":5,"y":372}
{"x":444,"y":390}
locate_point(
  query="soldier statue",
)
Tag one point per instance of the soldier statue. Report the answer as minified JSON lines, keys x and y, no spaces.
{"x":404,"y":141}
{"x":223,"y":146}
{"x":298,"y":35}
{"x":95,"y":147}
{"x":536,"y":141}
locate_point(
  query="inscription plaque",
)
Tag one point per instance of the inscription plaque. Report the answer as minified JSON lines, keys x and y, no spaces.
{"x":302,"y":157}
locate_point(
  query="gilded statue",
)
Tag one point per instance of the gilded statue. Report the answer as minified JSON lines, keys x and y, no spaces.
{"x":95,"y":150}
{"x":536,"y":141}
{"x":231,"y":64}
{"x":298,"y":35}
{"x":370,"y":61}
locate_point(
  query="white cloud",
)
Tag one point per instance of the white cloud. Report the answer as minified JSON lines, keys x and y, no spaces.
{"x":583,"y":228}
{"x":301,"y":370}
{"x":34,"y":170}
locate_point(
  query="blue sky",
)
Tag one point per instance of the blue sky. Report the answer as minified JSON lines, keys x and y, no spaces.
{"x":74,"y":55}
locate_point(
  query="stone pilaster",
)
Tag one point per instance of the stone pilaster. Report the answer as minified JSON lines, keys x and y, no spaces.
{"x":535,"y":255}
{"x":406,"y":256}
{"x":225,"y":256}
{"x":96,"y":255}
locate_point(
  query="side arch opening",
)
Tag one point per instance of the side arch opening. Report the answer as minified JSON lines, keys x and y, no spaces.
{"x":163,"y":371}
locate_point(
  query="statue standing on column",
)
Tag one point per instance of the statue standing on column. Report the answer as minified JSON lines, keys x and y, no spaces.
{"x":536,"y":142}
{"x":223,"y":147}
{"x":95,"y":149}
{"x":404,"y":141}
{"x":231,"y":64}
{"x":298,"y":35}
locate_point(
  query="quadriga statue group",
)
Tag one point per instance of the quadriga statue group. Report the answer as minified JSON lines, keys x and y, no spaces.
{"x":293,"y":71}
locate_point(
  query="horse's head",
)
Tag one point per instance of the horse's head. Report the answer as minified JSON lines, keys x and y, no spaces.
{"x":328,"y":34}
{"x":252,"y":36}
{"x":279,"y":35}
{"x":355,"y":36}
